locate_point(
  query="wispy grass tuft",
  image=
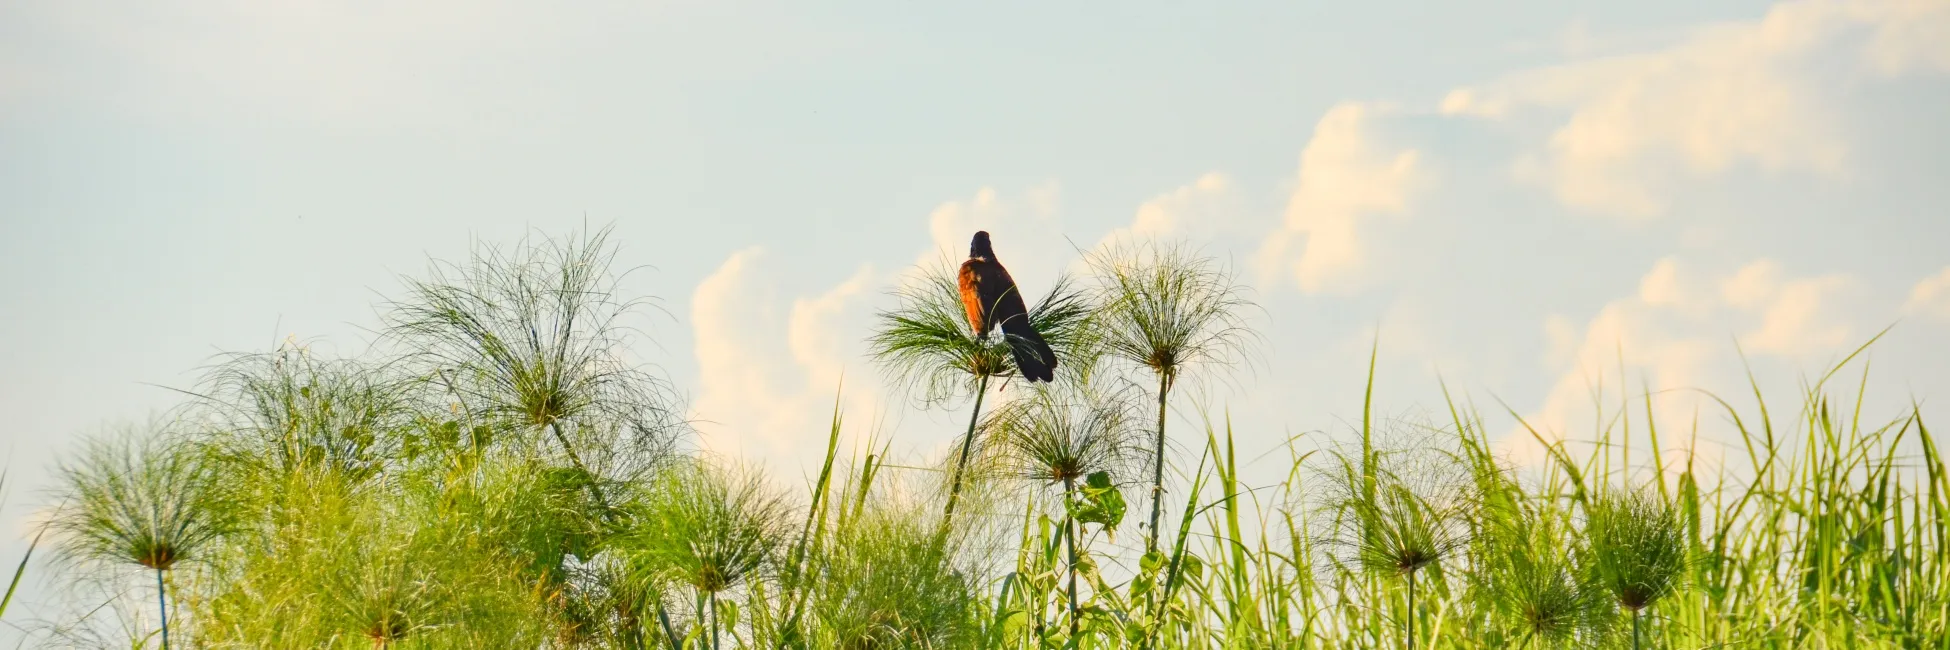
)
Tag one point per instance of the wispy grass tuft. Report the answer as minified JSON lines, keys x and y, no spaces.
{"x":1533,"y":585}
{"x":709,"y":527}
{"x":277,"y":412}
{"x":530,"y":339}
{"x":1069,"y":435}
{"x":139,"y":499}
{"x":1167,"y":310}
{"x":1399,"y":513}
{"x":888,"y":582}
{"x":1635,"y":549}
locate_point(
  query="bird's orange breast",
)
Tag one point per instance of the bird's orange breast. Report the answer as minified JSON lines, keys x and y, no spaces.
{"x":971,"y":295}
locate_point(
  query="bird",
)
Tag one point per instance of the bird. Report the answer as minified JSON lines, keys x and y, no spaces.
{"x":993,"y":301}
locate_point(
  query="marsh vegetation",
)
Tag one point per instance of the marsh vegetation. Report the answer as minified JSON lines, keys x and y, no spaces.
{"x":495,"y":473}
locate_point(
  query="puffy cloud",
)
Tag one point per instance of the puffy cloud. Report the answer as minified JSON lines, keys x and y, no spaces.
{"x":1930,"y":298}
{"x":1562,"y":338}
{"x":1793,"y":319}
{"x":1345,"y":178}
{"x":1797,"y":317}
{"x":1664,"y":287}
{"x":1672,"y":335}
{"x":1203,"y":208}
{"x":1200,"y":212}
{"x":1752,"y":284}
{"x":1627,"y":128}
{"x":768,"y":376}
{"x":1633,"y":333}
{"x":1909,"y":35}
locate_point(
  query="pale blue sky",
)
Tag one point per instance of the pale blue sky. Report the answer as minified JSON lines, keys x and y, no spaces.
{"x":1512,"y":190}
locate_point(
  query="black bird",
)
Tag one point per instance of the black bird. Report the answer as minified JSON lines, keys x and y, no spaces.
{"x":992,"y":300}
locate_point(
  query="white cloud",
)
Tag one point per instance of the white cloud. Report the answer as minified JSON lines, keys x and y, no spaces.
{"x":1796,"y":315}
{"x":1199,"y":210}
{"x":1626,"y":129}
{"x":1663,"y":286}
{"x":1910,"y":35}
{"x":1800,"y":319}
{"x":1930,"y":298}
{"x":1753,"y":284}
{"x":768,"y":377}
{"x":1629,"y":332}
{"x":1198,"y":213}
{"x":1562,"y":338}
{"x":1345,"y":178}
{"x":1673,"y":335}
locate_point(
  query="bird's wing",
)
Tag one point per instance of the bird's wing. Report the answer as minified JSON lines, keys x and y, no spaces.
{"x":1035,"y":361}
{"x":971,"y":297}
{"x":1001,"y":301}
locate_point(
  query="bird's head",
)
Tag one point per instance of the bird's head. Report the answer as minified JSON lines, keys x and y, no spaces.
{"x":979,"y":248}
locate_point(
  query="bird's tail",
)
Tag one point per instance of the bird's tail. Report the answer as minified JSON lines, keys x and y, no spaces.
{"x":1035,"y":361}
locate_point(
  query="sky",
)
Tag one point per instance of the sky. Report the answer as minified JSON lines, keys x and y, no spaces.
{"x":1522,"y":200}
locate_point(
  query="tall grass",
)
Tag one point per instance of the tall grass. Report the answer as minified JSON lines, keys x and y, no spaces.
{"x":497,"y":476}
{"x":20,"y":570}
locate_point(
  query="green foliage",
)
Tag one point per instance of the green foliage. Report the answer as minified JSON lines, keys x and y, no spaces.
{"x":1166,"y":309}
{"x":1060,"y":435}
{"x":498,"y":477}
{"x":1635,"y":549}
{"x":143,"y":501}
{"x":886,"y":582}
{"x":371,"y":567}
{"x":287,"y":409}
{"x":705,"y":526}
{"x":20,"y":571}
{"x":1097,"y":501}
